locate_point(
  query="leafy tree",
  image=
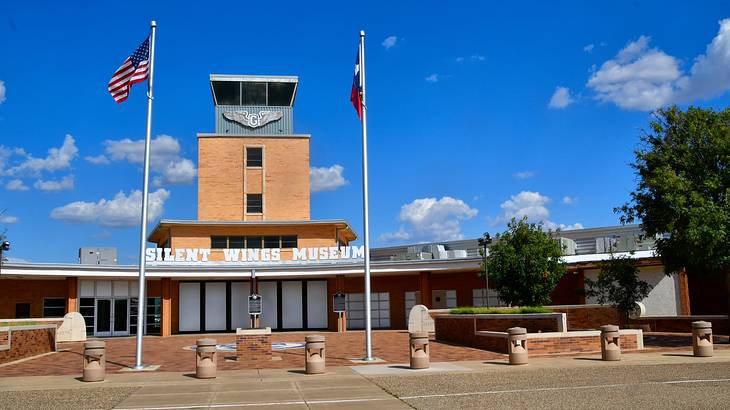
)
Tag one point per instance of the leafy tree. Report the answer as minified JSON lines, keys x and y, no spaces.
{"x":683,"y":189}
{"x":524,"y":263}
{"x":618,"y":285}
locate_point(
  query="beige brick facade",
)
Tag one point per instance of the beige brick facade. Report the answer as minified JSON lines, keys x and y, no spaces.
{"x":224,"y":180}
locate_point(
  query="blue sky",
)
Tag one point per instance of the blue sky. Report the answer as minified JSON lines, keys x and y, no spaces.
{"x":476,"y":112}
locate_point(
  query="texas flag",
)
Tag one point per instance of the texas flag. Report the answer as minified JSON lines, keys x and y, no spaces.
{"x":356,"y":93}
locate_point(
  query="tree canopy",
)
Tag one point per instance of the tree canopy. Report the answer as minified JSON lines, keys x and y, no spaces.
{"x":683,"y":188}
{"x":618,"y":285}
{"x":524,"y":263}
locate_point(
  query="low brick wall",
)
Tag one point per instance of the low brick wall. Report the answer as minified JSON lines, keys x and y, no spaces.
{"x":683,"y":324}
{"x":253,"y":347}
{"x":584,"y":317}
{"x":19,"y":342}
{"x":559,"y":342}
{"x":460,"y":329}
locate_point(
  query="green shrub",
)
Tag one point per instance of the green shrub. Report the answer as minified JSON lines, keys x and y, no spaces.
{"x":472,"y":310}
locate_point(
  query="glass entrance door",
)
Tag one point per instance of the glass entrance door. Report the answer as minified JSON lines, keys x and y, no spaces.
{"x":112,"y":317}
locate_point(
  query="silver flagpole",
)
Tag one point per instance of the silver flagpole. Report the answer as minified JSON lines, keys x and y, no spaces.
{"x":142,"y":297}
{"x":366,"y":218}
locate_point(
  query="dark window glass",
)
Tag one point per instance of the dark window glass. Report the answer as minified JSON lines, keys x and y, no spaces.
{"x":22,"y":310}
{"x":289,"y":241}
{"x":254,"y":157}
{"x":280,"y":94}
{"x":235,"y":242}
{"x":227,"y":92}
{"x":254,"y":204}
{"x":271,"y":241}
{"x":253,"y":93}
{"x":152,"y":319}
{"x":254,"y":242}
{"x":54,"y":307}
{"x":218,"y":242}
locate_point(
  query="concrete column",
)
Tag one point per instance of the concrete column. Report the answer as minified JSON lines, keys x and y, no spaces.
{"x":424,"y":285}
{"x":72,"y":294}
{"x":684,"y":303}
{"x":166,"y":320}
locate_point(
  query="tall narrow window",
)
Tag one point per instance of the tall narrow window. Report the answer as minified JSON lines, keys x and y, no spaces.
{"x":254,"y":204}
{"x":254,"y":157}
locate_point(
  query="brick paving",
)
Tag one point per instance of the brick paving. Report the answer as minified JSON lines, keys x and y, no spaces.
{"x":170,"y":353}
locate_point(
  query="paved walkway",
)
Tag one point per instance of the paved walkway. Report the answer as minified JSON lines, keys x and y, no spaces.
{"x":174,"y":355}
{"x":650,"y":380}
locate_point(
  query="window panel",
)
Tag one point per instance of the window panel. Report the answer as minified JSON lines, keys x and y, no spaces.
{"x":54,"y":307}
{"x":254,"y":242}
{"x":280,"y":94}
{"x":227,"y":92}
{"x":236,"y":242}
{"x":254,"y":157}
{"x":218,"y":242}
{"x":289,"y":241}
{"x":254,"y":204}
{"x":253,"y":93}
{"x":271,"y":241}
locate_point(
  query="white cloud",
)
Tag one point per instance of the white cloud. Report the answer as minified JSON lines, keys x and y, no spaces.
{"x":16,"y":185}
{"x":165,"y":158}
{"x":64,"y":184}
{"x":433,"y":78}
{"x":643,"y":78}
{"x":568,"y":200}
{"x":120,"y":211}
{"x":97,"y":160}
{"x":390,"y":42}
{"x":2,"y":91}
{"x":532,"y":205}
{"x":561,"y":98}
{"x":588,"y":48}
{"x":524,"y":174}
{"x":431,"y":219}
{"x":56,"y":160}
{"x":7,"y":219}
{"x":473,"y":58}
{"x":326,"y":178}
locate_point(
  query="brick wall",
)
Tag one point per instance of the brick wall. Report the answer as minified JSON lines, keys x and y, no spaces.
{"x":537,"y":324}
{"x":583,"y":317}
{"x":284,"y":183}
{"x":543,"y":345}
{"x":14,"y":291}
{"x":254,"y":350}
{"x":26,"y":341}
{"x":683,"y":324}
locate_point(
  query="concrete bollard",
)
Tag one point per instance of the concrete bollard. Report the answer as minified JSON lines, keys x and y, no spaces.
{"x":419,"y":350}
{"x":314,"y":354}
{"x":517,"y":348}
{"x":610,"y":345}
{"x":206,"y":363}
{"x":94,"y":361}
{"x":702,"y":339}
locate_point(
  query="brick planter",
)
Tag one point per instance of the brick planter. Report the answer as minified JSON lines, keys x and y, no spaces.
{"x":588,"y":341}
{"x":461,"y":329}
{"x":253,"y":347}
{"x":19,"y":342}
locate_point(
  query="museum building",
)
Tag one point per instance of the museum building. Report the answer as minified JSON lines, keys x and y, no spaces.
{"x":254,"y":219}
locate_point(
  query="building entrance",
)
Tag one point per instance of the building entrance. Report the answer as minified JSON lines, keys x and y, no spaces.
{"x":112,"y":317}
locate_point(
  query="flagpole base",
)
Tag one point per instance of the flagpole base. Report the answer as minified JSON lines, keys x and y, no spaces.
{"x":367,"y":360}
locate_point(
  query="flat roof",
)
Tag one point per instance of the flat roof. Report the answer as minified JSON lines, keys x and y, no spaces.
{"x":183,"y":222}
{"x":255,"y":78}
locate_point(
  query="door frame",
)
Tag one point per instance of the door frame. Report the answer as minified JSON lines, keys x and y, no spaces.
{"x":112,"y":315}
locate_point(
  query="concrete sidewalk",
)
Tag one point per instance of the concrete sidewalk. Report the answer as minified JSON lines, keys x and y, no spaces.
{"x":384,"y":386}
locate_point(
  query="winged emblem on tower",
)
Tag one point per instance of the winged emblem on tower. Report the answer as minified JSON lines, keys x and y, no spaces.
{"x":253,"y":120}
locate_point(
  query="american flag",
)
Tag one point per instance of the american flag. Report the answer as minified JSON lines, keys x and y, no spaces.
{"x":133,"y":70}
